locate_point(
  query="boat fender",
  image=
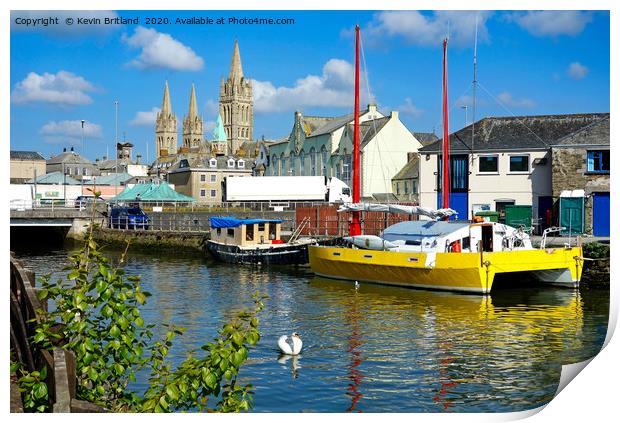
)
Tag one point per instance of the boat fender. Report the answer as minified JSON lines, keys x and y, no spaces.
{"x":456,"y":246}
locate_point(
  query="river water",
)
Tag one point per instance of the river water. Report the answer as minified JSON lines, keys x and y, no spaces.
{"x":375,"y":349}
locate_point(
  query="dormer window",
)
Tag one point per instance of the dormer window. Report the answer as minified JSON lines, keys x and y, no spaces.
{"x":231,"y":163}
{"x":184,"y":163}
{"x":212,"y":162}
{"x":241,"y":164}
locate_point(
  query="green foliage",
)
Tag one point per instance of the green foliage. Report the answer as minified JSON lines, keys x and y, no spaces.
{"x":97,"y":310}
{"x":33,"y":388}
{"x":596,"y":250}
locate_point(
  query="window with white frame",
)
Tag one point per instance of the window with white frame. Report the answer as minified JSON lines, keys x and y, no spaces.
{"x":212,"y":163}
{"x":519,"y":163}
{"x":231,"y":163}
{"x":213,"y":193}
{"x":488,"y":164}
{"x":241,"y":164}
{"x":203,"y":178}
{"x":213,"y":178}
{"x":203,"y":192}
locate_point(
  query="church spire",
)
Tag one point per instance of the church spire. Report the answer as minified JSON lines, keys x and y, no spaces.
{"x":193,"y":109}
{"x":236,"y":71}
{"x":166,"y":108}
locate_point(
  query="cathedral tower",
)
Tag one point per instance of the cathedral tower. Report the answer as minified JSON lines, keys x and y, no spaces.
{"x":192,"y":124}
{"x":237,"y":105}
{"x":166,"y":128}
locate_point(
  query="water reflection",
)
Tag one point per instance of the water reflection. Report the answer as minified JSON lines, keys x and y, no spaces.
{"x":468,"y":348}
{"x":377,"y":348}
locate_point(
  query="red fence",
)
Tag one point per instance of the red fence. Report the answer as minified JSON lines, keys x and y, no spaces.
{"x":326,"y":221}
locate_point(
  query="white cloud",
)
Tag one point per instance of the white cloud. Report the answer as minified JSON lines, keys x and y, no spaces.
{"x":46,"y":25}
{"x":209,"y":127}
{"x":145,"y":118}
{"x":552,"y":22}
{"x":577,"y":71}
{"x":333,"y":88}
{"x":160,"y":50}
{"x":408,"y":108}
{"x":71,"y":129}
{"x":508,"y":100}
{"x":63,"y":88}
{"x":212,"y":108}
{"x":427,"y":29}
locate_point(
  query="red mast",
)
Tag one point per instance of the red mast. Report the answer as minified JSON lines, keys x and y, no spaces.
{"x":446,"y":138}
{"x":355,"y":227}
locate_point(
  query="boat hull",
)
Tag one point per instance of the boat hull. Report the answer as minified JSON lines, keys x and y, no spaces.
{"x":463,"y":272}
{"x":276,"y":254}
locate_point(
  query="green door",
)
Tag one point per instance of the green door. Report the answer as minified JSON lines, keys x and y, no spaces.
{"x":571,"y":215}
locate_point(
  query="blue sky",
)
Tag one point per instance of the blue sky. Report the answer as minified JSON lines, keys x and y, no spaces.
{"x":543,"y":62}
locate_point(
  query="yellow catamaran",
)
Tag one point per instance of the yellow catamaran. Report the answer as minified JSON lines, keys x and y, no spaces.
{"x":438,"y":254}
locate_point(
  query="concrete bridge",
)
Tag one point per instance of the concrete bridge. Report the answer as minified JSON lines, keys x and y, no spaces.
{"x":65,"y":222}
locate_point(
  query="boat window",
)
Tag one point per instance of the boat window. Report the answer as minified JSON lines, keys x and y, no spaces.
{"x":272,"y":231}
{"x":465,"y":243}
{"x":413,"y":242}
{"x":261,"y":227}
{"x":249,"y":232}
{"x":230,"y":232}
{"x":487,"y":238}
{"x":219,"y":231}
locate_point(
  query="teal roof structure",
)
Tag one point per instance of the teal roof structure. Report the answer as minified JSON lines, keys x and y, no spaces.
{"x":55,"y":178}
{"x":218,"y":132}
{"x":156,"y":192}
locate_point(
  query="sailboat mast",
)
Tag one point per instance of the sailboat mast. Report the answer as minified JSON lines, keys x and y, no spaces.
{"x":446,"y":140}
{"x":355,"y":226}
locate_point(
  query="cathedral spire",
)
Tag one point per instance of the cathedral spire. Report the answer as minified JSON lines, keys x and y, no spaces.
{"x":166,"y":108}
{"x":236,"y":71}
{"x":193,"y":109}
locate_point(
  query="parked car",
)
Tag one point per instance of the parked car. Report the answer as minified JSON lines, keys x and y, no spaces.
{"x":128,"y":218}
{"x":84,"y":201}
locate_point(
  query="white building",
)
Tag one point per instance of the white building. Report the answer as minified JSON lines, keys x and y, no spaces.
{"x":323,"y":146}
{"x":507,"y":163}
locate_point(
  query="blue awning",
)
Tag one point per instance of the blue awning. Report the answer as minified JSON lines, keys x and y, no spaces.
{"x":233,"y":222}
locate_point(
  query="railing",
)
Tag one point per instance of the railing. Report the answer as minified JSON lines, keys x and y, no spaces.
{"x":61,"y":379}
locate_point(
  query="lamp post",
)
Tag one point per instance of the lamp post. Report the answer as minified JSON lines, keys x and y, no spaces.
{"x":465,"y":107}
{"x":83,"y":147}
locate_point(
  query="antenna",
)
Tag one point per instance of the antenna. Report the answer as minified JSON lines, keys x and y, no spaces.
{"x":473,"y":119}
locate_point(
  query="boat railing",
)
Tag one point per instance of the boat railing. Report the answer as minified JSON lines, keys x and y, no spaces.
{"x":546,"y":232}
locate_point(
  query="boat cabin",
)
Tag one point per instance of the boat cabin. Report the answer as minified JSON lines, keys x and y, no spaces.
{"x":448,"y":236}
{"x":245,"y":232}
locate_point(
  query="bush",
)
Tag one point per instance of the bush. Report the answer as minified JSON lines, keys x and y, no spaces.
{"x":97,"y":317}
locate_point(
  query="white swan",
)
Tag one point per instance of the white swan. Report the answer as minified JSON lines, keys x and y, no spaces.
{"x":285,"y":347}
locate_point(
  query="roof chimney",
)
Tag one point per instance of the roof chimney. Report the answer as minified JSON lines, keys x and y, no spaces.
{"x":64,"y":150}
{"x":71,"y":148}
{"x":138,"y":158}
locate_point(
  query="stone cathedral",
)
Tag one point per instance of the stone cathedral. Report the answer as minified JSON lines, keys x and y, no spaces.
{"x":235,"y":120}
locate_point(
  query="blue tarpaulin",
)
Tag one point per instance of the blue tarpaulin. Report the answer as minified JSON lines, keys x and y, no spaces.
{"x":233,"y":222}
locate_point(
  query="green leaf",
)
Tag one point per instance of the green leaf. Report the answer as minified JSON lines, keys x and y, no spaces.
{"x":172,"y":392}
{"x":39,"y":390}
{"x":73,"y":274}
{"x":238,"y":338}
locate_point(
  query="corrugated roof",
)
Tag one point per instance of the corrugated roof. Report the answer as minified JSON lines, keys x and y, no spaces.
{"x":55,"y":178}
{"x":516,"y":133}
{"x":113,"y":179}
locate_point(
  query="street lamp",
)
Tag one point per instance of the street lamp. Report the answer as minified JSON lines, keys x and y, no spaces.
{"x":465,"y":107}
{"x":83,"y":148}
